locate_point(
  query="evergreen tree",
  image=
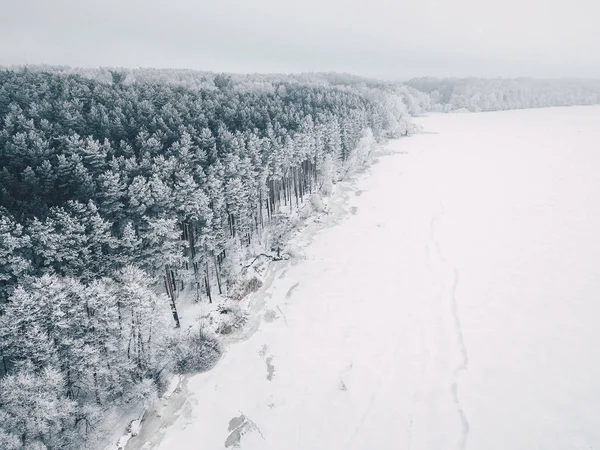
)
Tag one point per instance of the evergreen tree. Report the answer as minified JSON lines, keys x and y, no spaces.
{"x":15,"y":251}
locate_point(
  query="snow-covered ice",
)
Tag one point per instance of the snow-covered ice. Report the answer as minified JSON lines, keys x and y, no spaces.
{"x":455,"y":306}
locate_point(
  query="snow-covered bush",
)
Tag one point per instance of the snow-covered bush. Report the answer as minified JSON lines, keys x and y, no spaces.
{"x":232,"y":318}
{"x":360,"y":155}
{"x":196,"y":351}
{"x":244,"y":287}
{"x":145,"y":392}
{"x":277,"y":233}
{"x":232,"y":265}
{"x":316,"y":201}
{"x":326,"y":175}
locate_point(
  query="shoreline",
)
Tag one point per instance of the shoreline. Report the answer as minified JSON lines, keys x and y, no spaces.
{"x":157,"y":418}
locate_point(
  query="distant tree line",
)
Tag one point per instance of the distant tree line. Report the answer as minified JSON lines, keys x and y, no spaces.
{"x":480,"y":94}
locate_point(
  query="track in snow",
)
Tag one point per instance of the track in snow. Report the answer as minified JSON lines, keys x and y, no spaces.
{"x":464,"y":361}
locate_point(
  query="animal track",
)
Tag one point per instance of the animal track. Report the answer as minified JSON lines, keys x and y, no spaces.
{"x":263,"y":351}
{"x":290,"y":292}
{"x":270,"y":368}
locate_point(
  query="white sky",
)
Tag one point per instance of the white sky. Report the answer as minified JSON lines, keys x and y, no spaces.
{"x":383,"y":38}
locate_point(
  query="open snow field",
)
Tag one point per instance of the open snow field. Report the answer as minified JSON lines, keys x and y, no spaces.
{"x":455,"y":306}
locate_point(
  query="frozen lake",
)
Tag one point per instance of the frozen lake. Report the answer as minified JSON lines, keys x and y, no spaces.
{"x":455,"y":306}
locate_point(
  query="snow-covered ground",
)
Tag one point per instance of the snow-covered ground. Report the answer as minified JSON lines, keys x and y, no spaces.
{"x":456,"y":305}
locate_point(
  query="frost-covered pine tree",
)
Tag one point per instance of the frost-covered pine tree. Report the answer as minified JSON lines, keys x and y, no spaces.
{"x":34,"y":412}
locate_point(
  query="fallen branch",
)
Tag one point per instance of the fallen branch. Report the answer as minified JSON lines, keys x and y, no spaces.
{"x":271,"y":257}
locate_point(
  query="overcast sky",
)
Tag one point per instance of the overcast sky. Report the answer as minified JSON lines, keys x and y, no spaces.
{"x":382,"y":38}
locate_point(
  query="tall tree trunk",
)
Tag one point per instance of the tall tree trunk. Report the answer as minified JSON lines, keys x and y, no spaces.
{"x":171,"y":293}
{"x":290,"y":182}
{"x":279,"y":192}
{"x":275,"y":200}
{"x":207,"y":283}
{"x":140,"y":346}
{"x":301,"y":180}
{"x":191,"y":237}
{"x":96,"y":394}
{"x":120,"y":317}
{"x":296,"y":188}
{"x":260,"y":208}
{"x":218,"y":277}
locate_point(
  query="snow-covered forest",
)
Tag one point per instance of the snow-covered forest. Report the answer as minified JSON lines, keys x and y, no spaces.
{"x":116,"y":196}
{"x":123,"y":190}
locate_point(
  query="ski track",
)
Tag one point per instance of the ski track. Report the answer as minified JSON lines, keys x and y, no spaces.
{"x":372,"y":398}
{"x":464,"y":362}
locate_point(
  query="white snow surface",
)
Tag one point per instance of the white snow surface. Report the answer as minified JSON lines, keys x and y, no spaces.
{"x":454,"y":306}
